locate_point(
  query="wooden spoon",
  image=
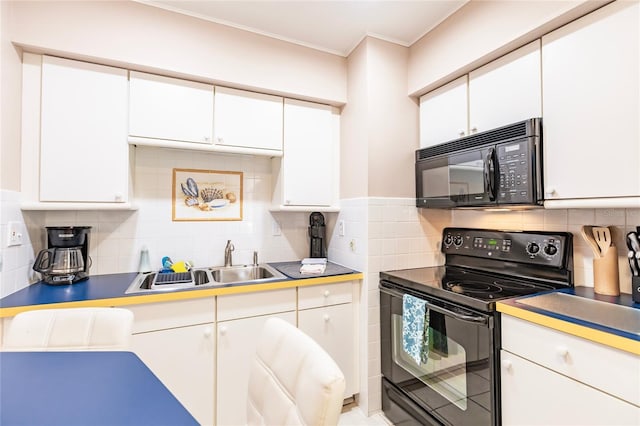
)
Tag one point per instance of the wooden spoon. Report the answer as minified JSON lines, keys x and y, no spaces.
{"x":587,"y":234}
{"x":602,"y":235}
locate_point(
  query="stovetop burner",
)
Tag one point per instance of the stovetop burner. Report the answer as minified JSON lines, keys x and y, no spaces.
{"x":492,"y":289}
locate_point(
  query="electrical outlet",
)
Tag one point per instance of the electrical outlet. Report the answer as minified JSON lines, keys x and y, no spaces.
{"x":275,"y":228}
{"x":341,"y":228}
{"x":14,"y":234}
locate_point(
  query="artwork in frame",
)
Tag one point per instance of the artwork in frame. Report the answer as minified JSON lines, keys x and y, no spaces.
{"x":200,"y":195}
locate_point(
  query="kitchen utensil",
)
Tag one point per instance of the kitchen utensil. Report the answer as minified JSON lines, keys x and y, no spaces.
{"x":633,"y":263}
{"x":605,"y":273}
{"x":602,"y":235}
{"x":587,"y":234}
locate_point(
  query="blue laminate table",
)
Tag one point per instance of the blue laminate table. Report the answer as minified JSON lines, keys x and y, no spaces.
{"x":84,"y":388}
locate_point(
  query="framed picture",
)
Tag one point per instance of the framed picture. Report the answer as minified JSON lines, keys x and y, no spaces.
{"x":200,"y":195}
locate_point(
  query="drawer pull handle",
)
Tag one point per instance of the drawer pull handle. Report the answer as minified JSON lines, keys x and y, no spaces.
{"x":223,"y":330}
{"x":326,"y":317}
{"x":326,"y":293}
{"x":563,"y":352}
{"x":207,"y":332}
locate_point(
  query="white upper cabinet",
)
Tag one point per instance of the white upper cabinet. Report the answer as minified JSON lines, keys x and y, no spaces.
{"x":307,"y":176}
{"x":502,"y":92}
{"x":247,"y":120}
{"x":170,"y":109}
{"x":506,"y":90}
{"x":83,"y":155}
{"x":443,"y":113}
{"x":591,"y":107}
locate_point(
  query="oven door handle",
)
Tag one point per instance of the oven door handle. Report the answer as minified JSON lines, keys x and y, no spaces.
{"x":476,"y":319}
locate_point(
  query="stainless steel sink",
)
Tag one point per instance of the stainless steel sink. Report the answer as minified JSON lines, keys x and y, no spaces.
{"x":154,"y":282}
{"x":245,"y":273}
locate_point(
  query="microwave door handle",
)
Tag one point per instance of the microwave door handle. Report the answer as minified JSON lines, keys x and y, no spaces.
{"x":490,"y":174}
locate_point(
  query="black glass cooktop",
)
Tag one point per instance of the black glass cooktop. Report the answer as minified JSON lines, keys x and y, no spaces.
{"x":469,"y":288}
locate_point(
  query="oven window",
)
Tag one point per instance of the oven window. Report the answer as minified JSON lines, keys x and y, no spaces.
{"x":445,"y":370}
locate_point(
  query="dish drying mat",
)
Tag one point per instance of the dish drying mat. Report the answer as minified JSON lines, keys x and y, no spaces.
{"x":173,"y":278}
{"x":292,"y":270}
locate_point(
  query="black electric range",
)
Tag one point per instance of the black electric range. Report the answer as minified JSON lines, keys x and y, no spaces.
{"x":458,"y":382}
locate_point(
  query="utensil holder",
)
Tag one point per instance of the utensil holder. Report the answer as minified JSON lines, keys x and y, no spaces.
{"x":605,"y":273}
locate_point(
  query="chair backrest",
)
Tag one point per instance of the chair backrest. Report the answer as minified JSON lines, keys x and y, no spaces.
{"x":70,"y":329}
{"x":292,"y":380}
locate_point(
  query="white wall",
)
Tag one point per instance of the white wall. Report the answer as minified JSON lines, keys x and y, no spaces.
{"x":481,"y":31}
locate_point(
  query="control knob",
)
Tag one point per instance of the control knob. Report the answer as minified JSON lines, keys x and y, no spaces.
{"x":448,"y":239}
{"x":457,"y":240}
{"x":550,"y":249}
{"x":533,"y":248}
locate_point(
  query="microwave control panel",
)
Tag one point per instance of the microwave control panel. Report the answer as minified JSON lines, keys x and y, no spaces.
{"x":515,"y":172}
{"x":539,"y":248}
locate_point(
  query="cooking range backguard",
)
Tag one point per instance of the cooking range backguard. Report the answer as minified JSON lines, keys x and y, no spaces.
{"x":456,"y":379}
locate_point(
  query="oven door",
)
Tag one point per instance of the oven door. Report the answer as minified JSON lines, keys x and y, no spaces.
{"x":456,"y":384}
{"x":466,"y":179}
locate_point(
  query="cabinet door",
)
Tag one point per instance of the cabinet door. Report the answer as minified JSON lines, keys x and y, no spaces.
{"x":506,"y":90}
{"x":309,"y":166}
{"x":247,"y":119}
{"x":183,"y":359}
{"x":237,"y":340}
{"x":590,"y":83}
{"x":534,"y":395}
{"x":170,"y":109}
{"x":333,"y":328}
{"x":443,"y":113}
{"x":84,"y":155}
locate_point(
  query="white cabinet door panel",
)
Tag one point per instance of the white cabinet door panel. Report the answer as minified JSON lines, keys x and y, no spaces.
{"x":84,"y":155}
{"x":443,"y":113}
{"x":591,"y":105}
{"x":332,"y":327}
{"x":308,"y":165}
{"x":506,"y":90}
{"x":183,"y":359}
{"x":247,"y":119}
{"x":169,"y":108}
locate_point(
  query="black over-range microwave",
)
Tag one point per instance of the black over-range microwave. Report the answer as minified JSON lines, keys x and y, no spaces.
{"x":498,"y":168}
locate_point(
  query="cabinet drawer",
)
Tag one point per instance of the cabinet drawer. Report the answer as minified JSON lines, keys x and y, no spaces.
{"x":325,"y":295}
{"x":164,"y":315}
{"x":608,"y":369}
{"x":253,"y":304}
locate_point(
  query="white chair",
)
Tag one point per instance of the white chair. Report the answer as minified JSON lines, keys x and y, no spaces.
{"x":292,"y":380}
{"x":70,"y":329}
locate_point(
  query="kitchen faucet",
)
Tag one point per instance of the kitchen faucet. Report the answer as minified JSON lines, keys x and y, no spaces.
{"x":227,"y":253}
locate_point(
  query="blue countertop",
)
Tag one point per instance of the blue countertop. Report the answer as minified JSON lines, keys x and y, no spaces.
{"x":109,"y":290}
{"x":84,"y":388}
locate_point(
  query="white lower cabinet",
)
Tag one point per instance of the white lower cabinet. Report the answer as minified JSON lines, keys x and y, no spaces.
{"x":552,"y":378}
{"x":240,"y":321}
{"x":176,"y":341}
{"x":327,"y":315}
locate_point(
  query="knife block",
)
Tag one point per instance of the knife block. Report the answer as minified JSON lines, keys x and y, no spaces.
{"x":605,"y":273}
{"x":635,"y":289}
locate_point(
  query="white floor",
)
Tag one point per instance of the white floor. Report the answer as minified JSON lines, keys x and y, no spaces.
{"x":355,"y":417}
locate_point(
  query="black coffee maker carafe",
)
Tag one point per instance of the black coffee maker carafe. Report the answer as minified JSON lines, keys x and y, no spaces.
{"x":66,"y":259}
{"x":317,"y":234}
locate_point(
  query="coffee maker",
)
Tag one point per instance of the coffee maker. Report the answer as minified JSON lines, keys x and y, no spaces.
{"x":66,"y":259}
{"x":317,"y":234}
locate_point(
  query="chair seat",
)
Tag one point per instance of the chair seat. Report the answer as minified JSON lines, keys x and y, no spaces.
{"x":292,"y":380}
{"x":72,"y":329}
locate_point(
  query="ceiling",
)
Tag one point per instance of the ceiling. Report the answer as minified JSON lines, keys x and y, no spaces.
{"x":332,"y":26}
